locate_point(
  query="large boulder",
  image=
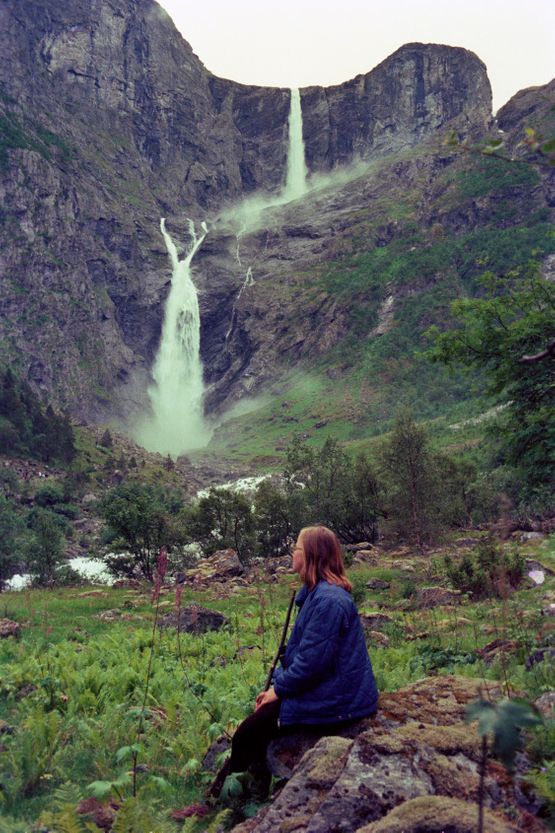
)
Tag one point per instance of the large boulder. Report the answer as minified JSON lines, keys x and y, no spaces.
{"x":414,"y":767}
{"x":437,"y":814}
{"x":437,"y":596}
{"x":220,"y":566}
{"x":194,"y":619}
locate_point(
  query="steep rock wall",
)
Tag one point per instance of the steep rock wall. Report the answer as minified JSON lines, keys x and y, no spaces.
{"x":109,"y":121}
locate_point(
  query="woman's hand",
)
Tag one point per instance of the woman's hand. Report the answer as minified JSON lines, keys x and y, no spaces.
{"x":265,"y":697}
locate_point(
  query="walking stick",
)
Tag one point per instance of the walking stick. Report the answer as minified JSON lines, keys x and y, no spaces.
{"x":282,"y":642}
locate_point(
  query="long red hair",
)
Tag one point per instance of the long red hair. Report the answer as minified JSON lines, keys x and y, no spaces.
{"x":322,"y":558}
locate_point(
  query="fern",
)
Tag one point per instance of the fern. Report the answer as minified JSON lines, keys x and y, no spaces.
{"x":67,"y":820}
{"x":134,"y":817}
{"x":220,"y":821}
{"x":10,"y":825}
{"x":67,"y":794}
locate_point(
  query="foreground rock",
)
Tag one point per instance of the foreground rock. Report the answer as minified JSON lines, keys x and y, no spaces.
{"x":9,"y":628}
{"x":194,"y":619}
{"x":412,"y":768}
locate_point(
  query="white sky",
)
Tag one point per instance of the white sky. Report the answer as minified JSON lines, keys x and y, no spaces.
{"x":296,"y":43}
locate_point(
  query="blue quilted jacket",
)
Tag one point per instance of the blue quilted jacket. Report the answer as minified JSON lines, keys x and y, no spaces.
{"x":326,"y":675}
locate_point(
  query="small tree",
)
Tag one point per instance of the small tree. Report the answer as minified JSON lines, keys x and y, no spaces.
{"x":409,"y":466}
{"x":142,"y":520}
{"x":11,"y":535}
{"x":272,"y":519}
{"x":106,"y":440}
{"x":325,"y":486}
{"x":224,"y":519}
{"x":45,"y":548}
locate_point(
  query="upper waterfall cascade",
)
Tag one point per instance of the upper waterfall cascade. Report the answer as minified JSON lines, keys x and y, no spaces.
{"x":295,"y":184}
{"x":177,"y":422}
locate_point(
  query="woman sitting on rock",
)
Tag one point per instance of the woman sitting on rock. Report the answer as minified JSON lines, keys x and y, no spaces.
{"x":326,"y":678}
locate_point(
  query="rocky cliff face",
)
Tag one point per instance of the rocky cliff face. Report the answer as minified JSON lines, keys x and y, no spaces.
{"x":110,"y":121}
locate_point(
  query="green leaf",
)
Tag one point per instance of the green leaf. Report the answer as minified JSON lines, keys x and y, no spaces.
{"x":161,"y":783}
{"x":504,"y":721}
{"x":232,"y":787}
{"x":100,"y":789}
{"x":125,"y":752}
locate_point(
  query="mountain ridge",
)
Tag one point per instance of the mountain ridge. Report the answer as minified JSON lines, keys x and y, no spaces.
{"x":84,"y":271}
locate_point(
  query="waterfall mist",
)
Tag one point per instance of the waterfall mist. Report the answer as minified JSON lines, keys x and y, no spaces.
{"x":177,"y":423}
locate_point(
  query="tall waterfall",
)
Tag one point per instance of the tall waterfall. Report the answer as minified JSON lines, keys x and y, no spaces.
{"x":177,"y":422}
{"x":295,"y":183}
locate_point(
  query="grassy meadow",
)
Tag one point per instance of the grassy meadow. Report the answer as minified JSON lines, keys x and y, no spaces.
{"x":92,"y":687}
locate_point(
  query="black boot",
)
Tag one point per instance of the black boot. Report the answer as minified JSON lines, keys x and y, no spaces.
{"x":216,"y":786}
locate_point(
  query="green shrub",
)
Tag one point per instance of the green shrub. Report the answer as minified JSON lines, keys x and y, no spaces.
{"x":487,"y":571}
{"x":49,"y":494}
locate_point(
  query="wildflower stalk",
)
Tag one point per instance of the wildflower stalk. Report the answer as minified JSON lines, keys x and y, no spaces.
{"x":161,"y":567}
{"x":214,"y":719}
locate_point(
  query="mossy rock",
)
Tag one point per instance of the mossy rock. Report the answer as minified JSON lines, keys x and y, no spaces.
{"x":437,"y":814}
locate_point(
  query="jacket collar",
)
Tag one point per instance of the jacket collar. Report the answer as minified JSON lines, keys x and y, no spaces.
{"x":304,"y":592}
{"x":300,"y":598}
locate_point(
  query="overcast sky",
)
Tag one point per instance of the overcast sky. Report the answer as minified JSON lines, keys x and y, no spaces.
{"x":296,"y":43}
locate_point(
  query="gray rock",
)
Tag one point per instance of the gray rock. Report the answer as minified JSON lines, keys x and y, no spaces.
{"x":375,"y":621}
{"x":427,"y":597}
{"x":9,"y":628}
{"x":415,"y":763}
{"x":140,"y":129}
{"x":545,"y":704}
{"x":377,"y":584}
{"x":194,"y":619}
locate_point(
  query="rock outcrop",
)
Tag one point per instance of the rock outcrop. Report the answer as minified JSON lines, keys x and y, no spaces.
{"x":414,"y":767}
{"x":109,"y":121}
{"x":194,"y":619}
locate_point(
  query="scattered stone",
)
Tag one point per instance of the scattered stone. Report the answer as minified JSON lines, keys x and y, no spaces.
{"x":218,"y":567}
{"x":365,"y":557}
{"x":375,"y":621}
{"x":530,"y":536}
{"x":215,"y":750}
{"x":109,"y":615}
{"x":378,"y":638}
{"x":541,"y":655}
{"x":534,"y":564}
{"x":436,"y":596}
{"x":378,"y":584}
{"x":499,"y":646}
{"x":418,"y":635}
{"x":408,"y":568}
{"x":545,"y":704}
{"x":25,"y":690}
{"x":194,"y":619}
{"x":362,"y":545}
{"x":5,"y":728}
{"x":457,"y":622}
{"x":92,"y":593}
{"x":9,"y":628}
